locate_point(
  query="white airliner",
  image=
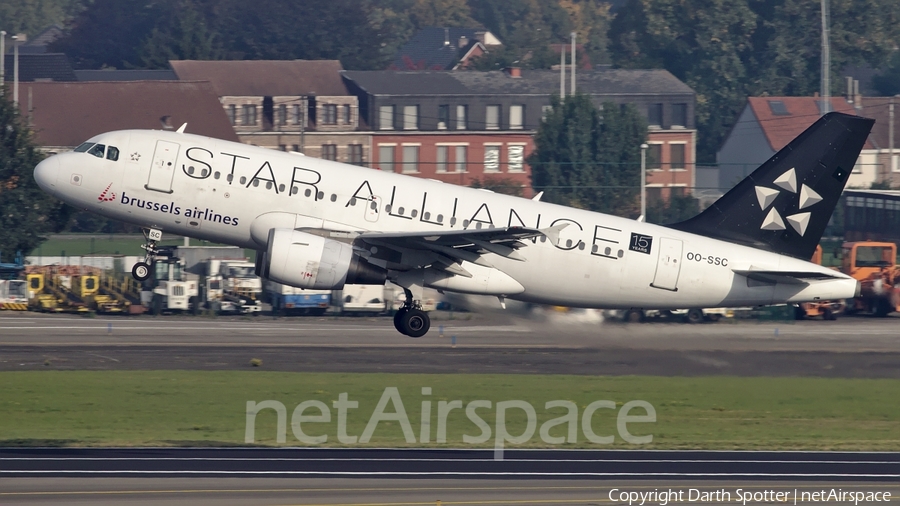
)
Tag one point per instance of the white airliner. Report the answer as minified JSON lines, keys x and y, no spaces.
{"x":321,"y":224}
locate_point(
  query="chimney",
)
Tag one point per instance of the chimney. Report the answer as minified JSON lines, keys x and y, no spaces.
{"x":857,"y":97}
{"x":463,"y":42}
{"x":446,"y":37}
{"x":479,"y":36}
{"x":849,"y":94}
{"x":514,"y":72}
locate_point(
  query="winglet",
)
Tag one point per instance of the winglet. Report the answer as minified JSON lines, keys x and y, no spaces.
{"x":181,"y":128}
{"x":552,"y":233}
{"x":537,"y":198}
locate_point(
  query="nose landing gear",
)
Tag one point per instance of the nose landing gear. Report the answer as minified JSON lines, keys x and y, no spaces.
{"x":141,"y":270}
{"x":410,"y":319}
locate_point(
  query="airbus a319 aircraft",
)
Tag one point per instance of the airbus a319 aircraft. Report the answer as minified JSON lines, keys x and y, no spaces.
{"x":321,"y":224}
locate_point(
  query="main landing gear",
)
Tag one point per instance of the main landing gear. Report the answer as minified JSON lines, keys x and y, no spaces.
{"x":142,"y":270}
{"x":410,"y":319}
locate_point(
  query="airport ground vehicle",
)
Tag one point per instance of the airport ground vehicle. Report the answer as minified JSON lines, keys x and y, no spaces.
{"x":288,"y":300}
{"x":362,"y":299}
{"x":693,"y":315}
{"x":13,"y":294}
{"x":170,"y":289}
{"x":76,"y":289}
{"x":232,"y":287}
{"x":827,"y":309}
{"x":874,"y":265}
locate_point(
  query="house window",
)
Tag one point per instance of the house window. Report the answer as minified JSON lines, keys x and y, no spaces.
{"x":443,"y":117}
{"x":676,"y":153}
{"x":329,"y":152}
{"x":232,"y":114}
{"x":516,"y":116}
{"x":492,"y":158}
{"x":296,"y":116}
{"x":654,"y":157}
{"x":492,"y":117}
{"x":281,"y":116}
{"x":462,"y":115}
{"x":654,"y":115}
{"x":461,"y":158}
{"x":440,"y":164}
{"x":778,"y":108}
{"x":515,"y":155}
{"x":410,"y":117}
{"x":345,"y":114}
{"x":679,"y":115}
{"x":355,"y":153}
{"x":329,"y":114}
{"x":678,"y":191}
{"x":282,"y":147}
{"x":249,"y":111}
{"x":410,"y":159}
{"x":386,"y":117}
{"x":386,"y":158}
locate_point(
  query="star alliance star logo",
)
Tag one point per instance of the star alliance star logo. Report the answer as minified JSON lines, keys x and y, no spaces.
{"x":766,"y":197}
{"x":135,"y":157}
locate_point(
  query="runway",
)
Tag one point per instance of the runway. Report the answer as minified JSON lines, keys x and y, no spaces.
{"x":448,"y":463}
{"x":850,"y":348}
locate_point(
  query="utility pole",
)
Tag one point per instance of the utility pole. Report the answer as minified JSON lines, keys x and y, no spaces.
{"x":826,"y":60}
{"x":889,"y":173}
{"x":15,"y":39}
{"x":562,"y":71}
{"x":2,"y":59}
{"x":644,"y":181}
{"x":572,"y":89}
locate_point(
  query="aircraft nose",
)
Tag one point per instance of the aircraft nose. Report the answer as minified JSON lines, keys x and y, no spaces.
{"x":46,"y":173}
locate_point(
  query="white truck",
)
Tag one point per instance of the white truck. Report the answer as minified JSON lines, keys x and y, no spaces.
{"x":363,"y":299}
{"x":14,"y":294}
{"x":233,"y":287}
{"x":172,"y":288}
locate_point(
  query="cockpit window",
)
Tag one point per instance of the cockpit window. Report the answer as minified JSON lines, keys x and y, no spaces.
{"x":112,"y":153}
{"x":97,"y":150}
{"x":84,"y":147}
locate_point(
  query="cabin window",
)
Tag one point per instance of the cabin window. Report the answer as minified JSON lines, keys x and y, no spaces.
{"x":83,"y":147}
{"x":98,"y":150}
{"x":112,"y":153}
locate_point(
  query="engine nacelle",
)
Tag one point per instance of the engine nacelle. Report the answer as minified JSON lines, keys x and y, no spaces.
{"x":310,"y":261}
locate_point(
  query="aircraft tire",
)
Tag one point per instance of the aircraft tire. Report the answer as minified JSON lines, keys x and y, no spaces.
{"x":634,"y":316}
{"x":416,"y":323}
{"x":141,"y":271}
{"x":695,"y":316}
{"x":398,"y":320}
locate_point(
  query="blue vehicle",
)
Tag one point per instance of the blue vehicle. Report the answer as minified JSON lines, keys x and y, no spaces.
{"x":288,"y":300}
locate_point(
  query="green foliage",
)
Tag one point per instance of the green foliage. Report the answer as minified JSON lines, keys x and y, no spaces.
{"x":32,"y":16}
{"x":888,"y":82}
{"x":182,"y":35}
{"x":588,"y":158}
{"x":677,"y":208}
{"x":26,"y":212}
{"x":503,"y":185}
{"x":727,"y":50}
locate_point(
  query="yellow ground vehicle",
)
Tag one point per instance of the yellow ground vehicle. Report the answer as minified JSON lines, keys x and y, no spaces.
{"x":874,"y":265}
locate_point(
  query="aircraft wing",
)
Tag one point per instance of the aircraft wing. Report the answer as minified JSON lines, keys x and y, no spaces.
{"x":786,"y":277}
{"x":447,"y":249}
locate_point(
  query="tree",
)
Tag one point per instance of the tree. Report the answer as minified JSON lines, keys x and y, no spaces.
{"x":181,"y":35}
{"x":589,"y":158}
{"x":888,"y":82}
{"x":507,"y":186}
{"x":32,"y":16}
{"x":26,"y":212}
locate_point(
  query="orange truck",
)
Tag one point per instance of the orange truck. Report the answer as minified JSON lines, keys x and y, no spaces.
{"x":827,"y":309}
{"x":874,"y":265}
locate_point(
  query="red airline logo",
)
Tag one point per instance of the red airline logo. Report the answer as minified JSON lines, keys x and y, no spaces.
{"x":107,"y":196}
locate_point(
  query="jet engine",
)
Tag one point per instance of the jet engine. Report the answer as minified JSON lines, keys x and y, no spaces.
{"x":305,"y":260}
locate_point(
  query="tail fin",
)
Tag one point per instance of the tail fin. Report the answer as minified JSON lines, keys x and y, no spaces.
{"x":785,"y":204}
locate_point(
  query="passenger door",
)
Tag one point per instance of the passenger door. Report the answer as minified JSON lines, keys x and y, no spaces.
{"x":162,"y":170}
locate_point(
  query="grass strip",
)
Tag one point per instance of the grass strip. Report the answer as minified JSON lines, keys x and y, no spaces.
{"x":197,"y":408}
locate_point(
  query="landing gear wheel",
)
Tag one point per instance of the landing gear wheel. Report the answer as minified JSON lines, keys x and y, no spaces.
{"x":398,"y":320}
{"x":416,"y":323}
{"x":695,"y":316}
{"x":141,"y":271}
{"x":828,"y":314}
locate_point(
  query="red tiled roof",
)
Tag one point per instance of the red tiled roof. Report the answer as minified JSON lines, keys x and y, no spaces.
{"x":878,"y":108}
{"x":260,"y":78}
{"x":801,"y":113}
{"x":65,"y":114}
